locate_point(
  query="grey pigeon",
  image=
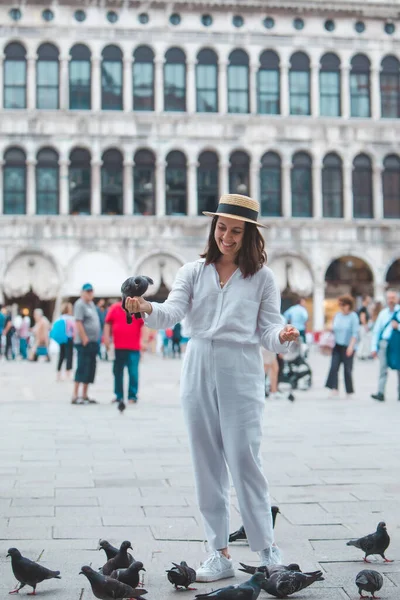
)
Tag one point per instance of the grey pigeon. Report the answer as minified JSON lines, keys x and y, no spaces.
{"x":181,"y":575}
{"x":134,"y":286}
{"x":108,"y":548}
{"x":369,"y":581}
{"x":120,"y":561}
{"x":251,"y":569}
{"x":28,"y":572}
{"x":106,"y":588}
{"x":131,"y":575}
{"x":374,"y":543}
{"x":249,"y":590}
{"x":240,"y":534}
{"x":285,"y":582}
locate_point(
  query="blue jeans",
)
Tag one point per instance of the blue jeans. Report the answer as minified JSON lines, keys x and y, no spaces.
{"x":23,"y":348}
{"x":130,"y":359}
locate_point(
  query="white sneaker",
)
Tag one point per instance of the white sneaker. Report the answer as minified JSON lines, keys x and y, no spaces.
{"x":217,"y":566}
{"x":270,"y":556}
{"x":277,"y":396}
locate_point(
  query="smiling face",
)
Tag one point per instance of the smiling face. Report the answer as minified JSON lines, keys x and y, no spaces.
{"x":229,"y":236}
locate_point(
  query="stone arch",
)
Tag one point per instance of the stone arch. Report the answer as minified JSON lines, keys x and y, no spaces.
{"x":162,"y":268}
{"x":295,"y":278}
{"x":103,"y":270}
{"x":392,"y":277}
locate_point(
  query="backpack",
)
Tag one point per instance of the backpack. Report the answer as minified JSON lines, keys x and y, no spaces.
{"x":58,"y":332}
{"x":393,"y":348}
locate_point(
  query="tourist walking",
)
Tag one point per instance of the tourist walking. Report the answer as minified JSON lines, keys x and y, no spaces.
{"x":66,"y":353}
{"x":40,"y":330}
{"x":297,"y":316}
{"x":232,"y":305}
{"x":345,"y":329}
{"x":22,"y":324}
{"x":87,"y":335}
{"x":388,"y":320}
{"x":364,"y":332}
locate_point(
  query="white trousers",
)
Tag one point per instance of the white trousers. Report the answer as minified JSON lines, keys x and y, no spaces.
{"x":222,"y":394}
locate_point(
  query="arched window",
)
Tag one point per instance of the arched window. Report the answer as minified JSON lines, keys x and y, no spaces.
{"x":176,"y":183}
{"x":47,"y":77}
{"x":111,"y":78}
{"x":239,"y":168}
{"x":270,"y":183}
{"x":268,"y":84}
{"x":362,"y":187}
{"x":144,"y":183}
{"x":207,"y":81}
{"x":332,"y":186}
{"x":360,"y":86}
{"x":143,"y":78}
{"x":329,"y":85}
{"x":207,"y":182}
{"x":80,"y":182}
{"x":390,"y":87}
{"x":175,"y":80}
{"x":80,"y":78}
{"x":15,"y":76}
{"x":299,"y":84}
{"x":14,"y":182}
{"x":111,"y":183}
{"x":238,"y":82}
{"x":391,"y":187}
{"x":47,"y":182}
{"x":301,"y":180}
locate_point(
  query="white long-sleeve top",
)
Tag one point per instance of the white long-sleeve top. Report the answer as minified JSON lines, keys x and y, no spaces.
{"x":244,"y":311}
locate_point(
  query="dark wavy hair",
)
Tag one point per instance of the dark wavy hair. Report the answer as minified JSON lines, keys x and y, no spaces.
{"x":251,"y":256}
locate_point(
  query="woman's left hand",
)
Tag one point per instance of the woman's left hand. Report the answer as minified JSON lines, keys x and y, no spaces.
{"x":288,"y":334}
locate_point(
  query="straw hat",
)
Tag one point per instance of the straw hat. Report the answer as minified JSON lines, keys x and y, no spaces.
{"x":237,"y":207}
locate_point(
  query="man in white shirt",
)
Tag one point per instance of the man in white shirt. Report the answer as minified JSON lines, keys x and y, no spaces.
{"x":381,"y":333}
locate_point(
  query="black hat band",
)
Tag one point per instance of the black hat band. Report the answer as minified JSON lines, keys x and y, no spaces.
{"x":238,"y":211}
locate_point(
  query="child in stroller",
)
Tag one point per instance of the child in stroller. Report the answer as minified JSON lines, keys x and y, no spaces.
{"x":294,"y":368}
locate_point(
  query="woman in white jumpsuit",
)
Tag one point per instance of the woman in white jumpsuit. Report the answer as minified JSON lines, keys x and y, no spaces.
{"x":231,"y":304}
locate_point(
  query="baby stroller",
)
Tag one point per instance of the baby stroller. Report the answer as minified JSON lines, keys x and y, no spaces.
{"x":294,"y":370}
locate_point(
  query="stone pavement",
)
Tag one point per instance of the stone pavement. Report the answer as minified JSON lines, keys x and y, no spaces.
{"x":70,"y":475}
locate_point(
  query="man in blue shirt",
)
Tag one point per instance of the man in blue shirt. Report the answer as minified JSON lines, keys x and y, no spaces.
{"x":297,"y":316}
{"x":387,"y":321}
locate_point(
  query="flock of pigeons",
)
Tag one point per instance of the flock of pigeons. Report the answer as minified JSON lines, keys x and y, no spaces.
{"x":120,"y":578}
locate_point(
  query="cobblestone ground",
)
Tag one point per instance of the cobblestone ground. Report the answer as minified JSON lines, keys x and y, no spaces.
{"x":70,"y":475}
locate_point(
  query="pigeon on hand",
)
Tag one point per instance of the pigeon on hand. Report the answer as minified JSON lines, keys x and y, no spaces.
{"x":28,"y":572}
{"x":285,"y":582}
{"x":268,"y":570}
{"x":132,"y":287}
{"x":240,"y":534}
{"x":121,"y":560}
{"x":106,"y":588}
{"x":131,"y":575}
{"x":369,"y":581}
{"x":374,"y":543}
{"x":181,"y":575}
{"x":249,"y":590}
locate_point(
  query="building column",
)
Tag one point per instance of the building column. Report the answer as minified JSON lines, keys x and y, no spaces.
{"x":191,"y":86}
{"x":64,"y":83}
{"x":315,"y":89}
{"x":345,"y":91}
{"x":159,"y":85}
{"x":64,"y":187}
{"x":192,"y":204}
{"x":30,"y":187}
{"x":317,"y":190}
{"x":222,"y":87}
{"x":284,"y":89}
{"x":375,"y":93}
{"x":160,"y":188}
{"x":1,"y":81}
{"x":96,"y":84}
{"x":255,"y":180}
{"x":318,"y":305}
{"x":223,"y":177}
{"x":286,"y":189}
{"x":128,"y":186}
{"x":348,"y":190}
{"x":31,"y":82}
{"x":95,"y":201}
{"x":127,"y":85}
{"x":253,"y":87}
{"x":1,"y":187}
{"x":377,"y":192}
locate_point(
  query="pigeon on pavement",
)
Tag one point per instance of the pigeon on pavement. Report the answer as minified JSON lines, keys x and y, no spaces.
{"x":374,"y":543}
{"x":131,"y":575}
{"x":251,"y":569}
{"x":181,"y":575}
{"x":120,"y":561}
{"x":108,"y":548}
{"x":240,"y":534}
{"x":285,"y":582}
{"x":369,"y":581}
{"x":133,"y":287}
{"x":249,"y":590}
{"x":106,"y":588}
{"x":28,"y":572}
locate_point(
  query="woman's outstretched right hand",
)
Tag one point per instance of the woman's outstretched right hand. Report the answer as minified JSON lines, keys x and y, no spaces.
{"x":138,"y":305}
